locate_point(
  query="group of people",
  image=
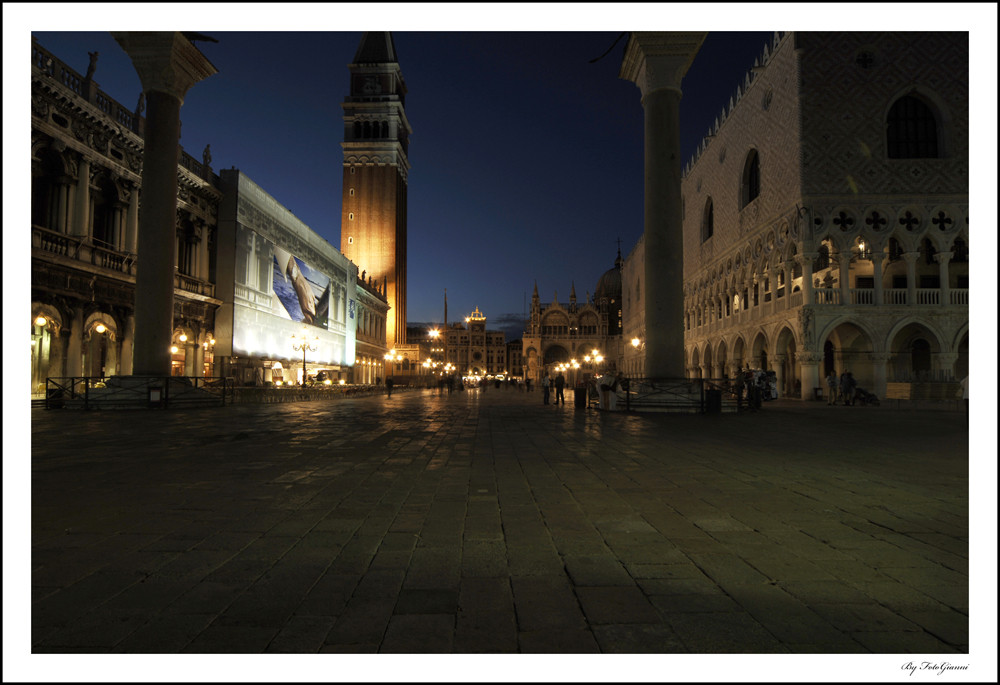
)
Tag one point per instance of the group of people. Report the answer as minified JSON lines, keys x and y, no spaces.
{"x":607,"y":386}
{"x":843,"y":389}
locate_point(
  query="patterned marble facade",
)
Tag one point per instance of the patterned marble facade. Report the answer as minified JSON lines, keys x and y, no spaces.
{"x":826,"y":216}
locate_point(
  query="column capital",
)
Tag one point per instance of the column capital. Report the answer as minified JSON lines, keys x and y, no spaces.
{"x":656,"y":60}
{"x":878,"y":357}
{"x":166,"y":61}
{"x":945,"y":257}
{"x":911,"y":257}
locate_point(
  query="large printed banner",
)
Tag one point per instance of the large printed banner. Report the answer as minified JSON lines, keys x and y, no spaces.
{"x":301,"y":293}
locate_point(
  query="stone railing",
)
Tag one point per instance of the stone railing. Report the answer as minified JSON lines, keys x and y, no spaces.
{"x":57,"y":69}
{"x":74,"y":247}
{"x":959,"y":296}
{"x":193,"y":285}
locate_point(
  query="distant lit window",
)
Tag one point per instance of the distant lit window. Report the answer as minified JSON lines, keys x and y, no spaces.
{"x":350,"y":217}
{"x":750,"y":182}
{"x":911,"y":130}
{"x":350,"y":240}
{"x":351,"y":192}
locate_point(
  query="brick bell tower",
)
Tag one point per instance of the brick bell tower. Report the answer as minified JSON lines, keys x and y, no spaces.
{"x":376,"y":140}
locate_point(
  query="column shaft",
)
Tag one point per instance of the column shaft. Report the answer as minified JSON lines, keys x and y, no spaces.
{"x":154,"y":292}
{"x":664,"y":249}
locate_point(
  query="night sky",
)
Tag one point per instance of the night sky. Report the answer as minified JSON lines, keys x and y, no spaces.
{"x":526,"y":157}
{"x":526,"y":167}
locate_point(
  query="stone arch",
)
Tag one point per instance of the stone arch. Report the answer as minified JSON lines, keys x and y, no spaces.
{"x":555,"y":354}
{"x":53,"y":317}
{"x":739,"y":353}
{"x":706,"y":360}
{"x":851,"y":344}
{"x":912,"y":344}
{"x":758,"y":351}
{"x":722,"y":357}
{"x":785,"y":362}
{"x":103,"y":319}
{"x":695,"y":364}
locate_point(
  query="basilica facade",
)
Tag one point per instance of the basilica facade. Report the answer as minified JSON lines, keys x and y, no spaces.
{"x":588,"y":332}
{"x":825,"y":217}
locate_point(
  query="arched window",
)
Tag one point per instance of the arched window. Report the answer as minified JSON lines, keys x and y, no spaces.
{"x":707,"y":221}
{"x":750,"y":183}
{"x":911,"y":130}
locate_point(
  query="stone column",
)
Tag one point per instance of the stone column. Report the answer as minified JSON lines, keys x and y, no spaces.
{"x":845,"y":277}
{"x":943,"y":259}
{"x":128,"y":340}
{"x":656,"y":62}
{"x":778,"y":366}
{"x":879,"y":373}
{"x":74,"y":350}
{"x":911,"y":276}
{"x":81,"y":213}
{"x":943,"y":365}
{"x":168,"y":64}
{"x":877,"y":273}
{"x":809,"y":372}
{"x":132,"y":220}
{"x":806,"y":259}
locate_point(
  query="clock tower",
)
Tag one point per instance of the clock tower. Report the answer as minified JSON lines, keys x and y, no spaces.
{"x":376,"y":140}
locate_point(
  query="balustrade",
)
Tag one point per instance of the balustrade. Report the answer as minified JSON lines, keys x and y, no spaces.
{"x":826,"y":295}
{"x":862,"y":296}
{"x":959,"y":296}
{"x":894,"y":295}
{"x":928,"y":296}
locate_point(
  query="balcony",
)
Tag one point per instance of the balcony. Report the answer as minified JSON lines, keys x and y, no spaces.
{"x":92,"y":253}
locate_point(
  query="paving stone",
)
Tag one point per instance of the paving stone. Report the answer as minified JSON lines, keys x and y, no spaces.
{"x":620,"y":605}
{"x":482,"y":524}
{"x":638,"y":638}
{"x":566,"y":641}
{"x":419,"y":634}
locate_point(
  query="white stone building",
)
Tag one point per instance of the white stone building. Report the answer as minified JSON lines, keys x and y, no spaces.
{"x":825,"y":216}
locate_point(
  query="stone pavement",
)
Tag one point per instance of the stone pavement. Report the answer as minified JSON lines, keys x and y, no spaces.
{"x":489,"y":523}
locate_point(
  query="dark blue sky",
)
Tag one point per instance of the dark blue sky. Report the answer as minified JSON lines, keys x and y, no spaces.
{"x":526,"y":157}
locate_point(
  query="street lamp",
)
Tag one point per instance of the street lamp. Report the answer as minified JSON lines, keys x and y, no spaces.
{"x":305,"y":344}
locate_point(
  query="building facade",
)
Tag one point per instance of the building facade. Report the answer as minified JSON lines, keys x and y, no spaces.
{"x":376,"y":166}
{"x":557,"y":333}
{"x":86,"y":165}
{"x":473,"y":350}
{"x":235,"y":248}
{"x":825,"y":217}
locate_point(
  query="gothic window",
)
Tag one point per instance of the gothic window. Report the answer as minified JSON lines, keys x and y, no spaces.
{"x":708,"y":221}
{"x":911,"y":130}
{"x":750,"y":181}
{"x":928,"y":251}
{"x":960,"y":250}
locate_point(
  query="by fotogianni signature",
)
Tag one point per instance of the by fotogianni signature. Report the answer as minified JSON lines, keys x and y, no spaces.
{"x":939,"y":668}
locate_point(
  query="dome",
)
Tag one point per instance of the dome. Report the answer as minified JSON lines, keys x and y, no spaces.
{"x":610,"y":284}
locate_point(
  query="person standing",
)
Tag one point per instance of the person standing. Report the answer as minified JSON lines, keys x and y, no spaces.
{"x":847,"y":387}
{"x":545,"y":388}
{"x":388,"y":387}
{"x":560,"y":384}
{"x":832,"y":385}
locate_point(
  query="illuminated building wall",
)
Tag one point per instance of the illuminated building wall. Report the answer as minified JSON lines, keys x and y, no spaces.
{"x":277,"y":278}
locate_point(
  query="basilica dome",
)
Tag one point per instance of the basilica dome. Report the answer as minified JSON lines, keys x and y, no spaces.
{"x":610,"y":284}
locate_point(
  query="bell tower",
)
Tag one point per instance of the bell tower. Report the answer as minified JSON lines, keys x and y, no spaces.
{"x":376,"y":140}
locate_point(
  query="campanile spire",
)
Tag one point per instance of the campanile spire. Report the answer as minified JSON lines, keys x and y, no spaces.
{"x":376,"y":167}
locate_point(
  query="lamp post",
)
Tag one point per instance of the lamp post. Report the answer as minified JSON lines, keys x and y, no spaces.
{"x":306,"y":344}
